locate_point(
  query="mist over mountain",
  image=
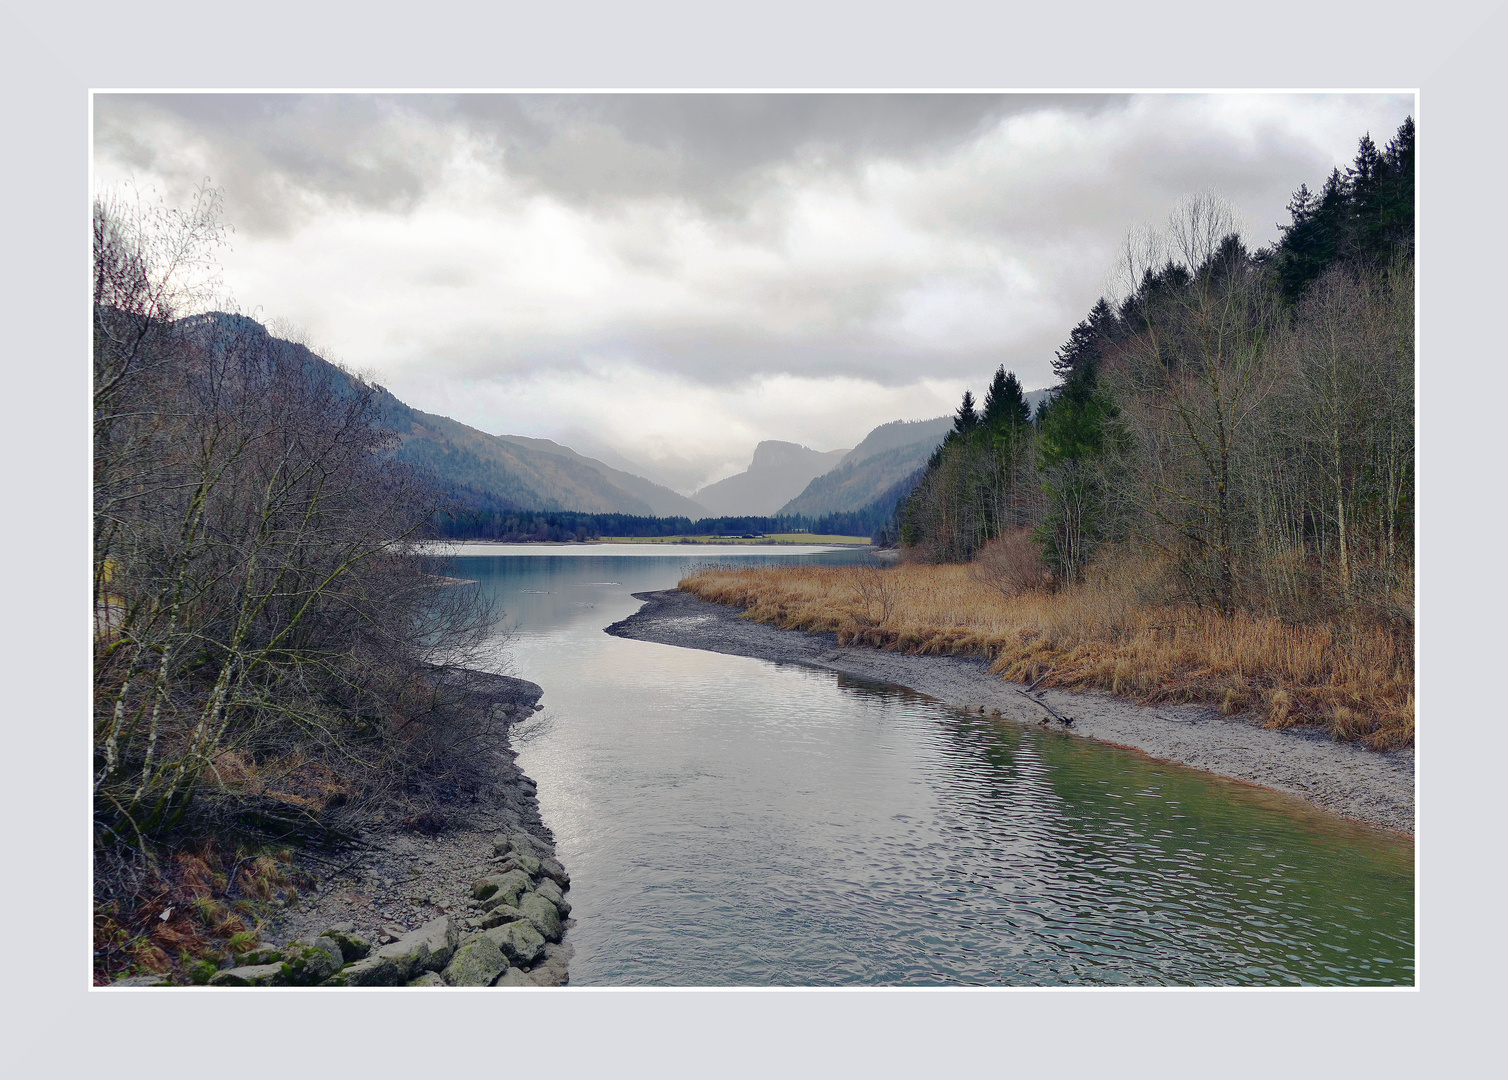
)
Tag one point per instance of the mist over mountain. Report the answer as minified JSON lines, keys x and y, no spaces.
{"x":778,"y":471}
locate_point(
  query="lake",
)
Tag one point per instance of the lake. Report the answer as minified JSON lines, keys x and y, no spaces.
{"x":729,"y":821}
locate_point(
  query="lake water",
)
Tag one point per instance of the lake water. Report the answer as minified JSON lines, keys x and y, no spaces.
{"x":729,"y":821}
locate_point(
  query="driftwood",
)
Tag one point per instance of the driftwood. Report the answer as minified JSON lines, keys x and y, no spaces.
{"x":1067,"y":721}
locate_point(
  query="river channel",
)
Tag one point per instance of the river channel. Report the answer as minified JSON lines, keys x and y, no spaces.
{"x":729,"y":822}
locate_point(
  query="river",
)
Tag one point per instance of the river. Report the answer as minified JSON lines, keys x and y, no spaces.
{"x":729,"y":821}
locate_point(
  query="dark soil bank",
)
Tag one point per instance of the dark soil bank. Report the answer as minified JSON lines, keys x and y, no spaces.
{"x":1364,"y":785}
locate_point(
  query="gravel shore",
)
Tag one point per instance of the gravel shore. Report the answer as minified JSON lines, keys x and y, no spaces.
{"x":404,"y":876}
{"x":1376,"y":788}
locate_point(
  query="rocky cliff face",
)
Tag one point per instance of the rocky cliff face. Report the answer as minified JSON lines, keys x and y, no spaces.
{"x":777,"y":473}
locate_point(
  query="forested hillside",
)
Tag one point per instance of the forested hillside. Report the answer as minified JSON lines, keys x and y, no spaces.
{"x":1246,"y":417}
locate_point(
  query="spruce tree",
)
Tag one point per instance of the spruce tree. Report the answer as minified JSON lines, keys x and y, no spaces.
{"x":967,"y":418}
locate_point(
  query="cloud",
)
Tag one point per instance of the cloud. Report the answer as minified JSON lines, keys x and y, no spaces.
{"x":671,"y":253}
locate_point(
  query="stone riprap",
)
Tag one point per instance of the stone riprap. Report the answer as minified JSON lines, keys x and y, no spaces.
{"x":513,"y":926}
{"x":479,"y":903}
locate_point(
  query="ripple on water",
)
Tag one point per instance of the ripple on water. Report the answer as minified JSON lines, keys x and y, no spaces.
{"x":733,"y":822}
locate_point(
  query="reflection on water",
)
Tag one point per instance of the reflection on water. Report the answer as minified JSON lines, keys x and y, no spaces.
{"x":729,"y":821}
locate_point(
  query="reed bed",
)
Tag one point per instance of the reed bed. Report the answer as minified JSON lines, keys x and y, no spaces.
{"x":1355,"y":680}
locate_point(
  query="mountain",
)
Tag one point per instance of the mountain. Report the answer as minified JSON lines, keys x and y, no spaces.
{"x":779,"y":471}
{"x":500,"y":471}
{"x":661,"y":501}
{"x":888,"y":455}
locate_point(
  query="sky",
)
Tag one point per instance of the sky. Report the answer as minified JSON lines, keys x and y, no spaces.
{"x":668,"y":279}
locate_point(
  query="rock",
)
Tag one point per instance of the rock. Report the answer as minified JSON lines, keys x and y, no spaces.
{"x":519,"y":861}
{"x":352,"y":947}
{"x":440,"y":936}
{"x":252,"y":975}
{"x":148,"y":980}
{"x":522,"y":843}
{"x":260,"y":953}
{"x":410,"y":954}
{"x":429,"y":978}
{"x":555,"y":969}
{"x":500,"y":888}
{"x":476,"y":963}
{"x":375,"y":970}
{"x":499,"y":915}
{"x":551,"y":892}
{"x":310,"y":961}
{"x":519,"y":941}
{"x":543,"y":914}
{"x":555,"y":872}
{"x":514,"y":977}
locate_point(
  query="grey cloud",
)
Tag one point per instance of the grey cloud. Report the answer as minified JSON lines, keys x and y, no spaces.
{"x":383,"y":152}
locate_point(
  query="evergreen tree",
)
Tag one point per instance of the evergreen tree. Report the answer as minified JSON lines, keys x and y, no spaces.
{"x":967,"y":418}
{"x":1004,"y":404}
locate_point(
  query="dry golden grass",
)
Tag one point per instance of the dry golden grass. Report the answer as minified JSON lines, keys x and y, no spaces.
{"x":1103,"y":635}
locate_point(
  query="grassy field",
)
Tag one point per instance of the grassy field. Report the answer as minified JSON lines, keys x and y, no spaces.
{"x":1356,"y":681}
{"x":771,"y":538}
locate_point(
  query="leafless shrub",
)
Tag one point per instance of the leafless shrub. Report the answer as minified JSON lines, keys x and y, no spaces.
{"x":1011,"y":564}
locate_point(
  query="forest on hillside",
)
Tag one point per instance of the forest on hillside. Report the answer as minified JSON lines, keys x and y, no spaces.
{"x":1244,"y":417}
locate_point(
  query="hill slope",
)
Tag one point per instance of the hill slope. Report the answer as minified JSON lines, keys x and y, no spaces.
{"x":888,"y":455}
{"x":500,"y":471}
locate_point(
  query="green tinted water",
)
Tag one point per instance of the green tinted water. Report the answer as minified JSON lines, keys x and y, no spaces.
{"x":729,"y":821}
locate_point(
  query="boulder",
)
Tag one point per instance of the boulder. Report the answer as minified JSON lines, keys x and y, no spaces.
{"x":551,"y":892}
{"x":429,"y":978}
{"x":498,"y":916}
{"x":310,"y":961}
{"x":476,"y":963}
{"x":352,"y":947}
{"x":252,"y":975}
{"x":543,"y":914}
{"x":500,"y":888}
{"x":553,"y":971}
{"x":519,"y":941}
{"x":514,"y":977}
{"x":374,"y":970}
{"x":410,"y":954}
{"x":519,"y":861}
{"x":260,"y":953}
{"x":147,"y":980}
{"x":555,"y":872}
{"x":440,"y":936}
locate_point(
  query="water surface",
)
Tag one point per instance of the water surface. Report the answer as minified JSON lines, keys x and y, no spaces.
{"x":729,"y":821}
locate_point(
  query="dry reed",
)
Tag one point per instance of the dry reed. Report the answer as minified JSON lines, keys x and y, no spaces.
{"x":1103,"y":634}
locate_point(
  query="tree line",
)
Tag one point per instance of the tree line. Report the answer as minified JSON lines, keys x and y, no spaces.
{"x":1246,"y":415}
{"x":469,"y":517}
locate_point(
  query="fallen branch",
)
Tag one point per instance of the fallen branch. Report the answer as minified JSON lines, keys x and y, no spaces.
{"x":1065,"y":720}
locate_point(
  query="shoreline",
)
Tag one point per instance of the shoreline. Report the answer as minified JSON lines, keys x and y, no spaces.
{"x":408,"y":874}
{"x":1367,"y":786}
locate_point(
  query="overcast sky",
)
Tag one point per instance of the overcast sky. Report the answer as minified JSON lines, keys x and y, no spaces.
{"x":677,"y":277}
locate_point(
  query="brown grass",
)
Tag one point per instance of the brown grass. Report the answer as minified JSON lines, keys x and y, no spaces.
{"x":1105,"y":634}
{"x":216,"y":902}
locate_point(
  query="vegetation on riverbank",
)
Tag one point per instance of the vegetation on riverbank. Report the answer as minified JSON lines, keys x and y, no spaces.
{"x":1215,"y":503}
{"x":1107,"y":633}
{"x":272,"y":657}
